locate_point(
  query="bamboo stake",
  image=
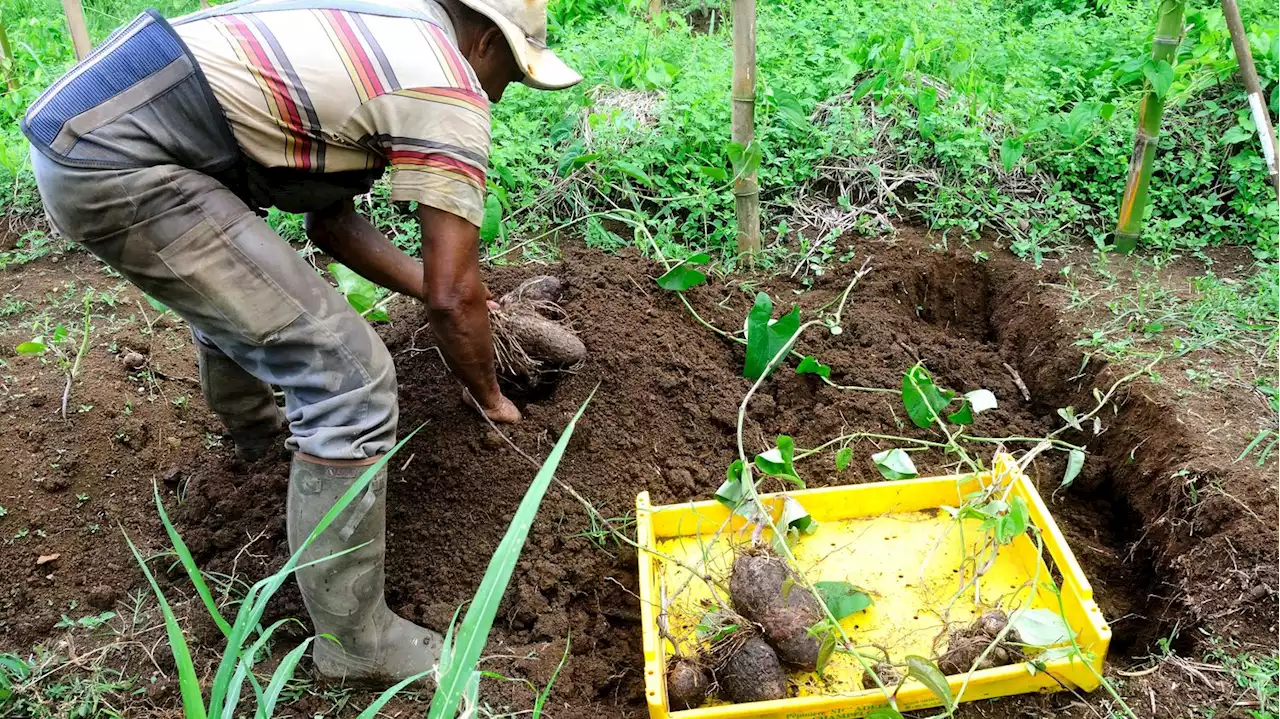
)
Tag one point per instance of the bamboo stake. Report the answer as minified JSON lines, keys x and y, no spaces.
{"x":746,"y":190}
{"x":6,"y":58}
{"x":1134,"y":203}
{"x":79,"y":31}
{"x":1249,"y":77}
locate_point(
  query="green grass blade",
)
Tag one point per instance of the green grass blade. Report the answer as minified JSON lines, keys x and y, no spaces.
{"x":192,"y":701}
{"x":371,"y":711}
{"x":474,"y":632}
{"x":545,"y":694}
{"x":245,"y":670}
{"x":189,"y":564}
{"x":254,"y":605}
{"x":284,"y":672}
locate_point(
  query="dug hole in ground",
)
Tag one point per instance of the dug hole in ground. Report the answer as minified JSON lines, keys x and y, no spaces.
{"x":1178,"y":540}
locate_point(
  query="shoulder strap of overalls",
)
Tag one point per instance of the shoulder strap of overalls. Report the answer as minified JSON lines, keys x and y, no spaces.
{"x":256,"y":6}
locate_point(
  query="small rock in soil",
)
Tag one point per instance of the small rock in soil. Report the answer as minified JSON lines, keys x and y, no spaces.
{"x":752,"y":674}
{"x":133,"y":360}
{"x":103,"y":597}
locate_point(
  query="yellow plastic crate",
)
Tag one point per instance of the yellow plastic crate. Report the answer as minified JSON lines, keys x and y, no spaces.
{"x":893,"y":540}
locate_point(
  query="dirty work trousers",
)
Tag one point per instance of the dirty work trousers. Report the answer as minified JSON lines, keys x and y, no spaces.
{"x":188,"y":241}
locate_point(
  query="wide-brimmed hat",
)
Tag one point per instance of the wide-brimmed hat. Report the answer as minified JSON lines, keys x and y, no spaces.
{"x":524,"y":23}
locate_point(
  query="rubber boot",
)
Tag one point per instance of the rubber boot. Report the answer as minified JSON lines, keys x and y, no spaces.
{"x":345,"y":595}
{"x":243,"y":402}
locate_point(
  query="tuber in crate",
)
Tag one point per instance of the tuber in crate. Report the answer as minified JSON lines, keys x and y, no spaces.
{"x":901,"y":543}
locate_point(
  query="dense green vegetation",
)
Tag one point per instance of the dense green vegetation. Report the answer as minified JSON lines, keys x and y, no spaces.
{"x":1006,"y":116}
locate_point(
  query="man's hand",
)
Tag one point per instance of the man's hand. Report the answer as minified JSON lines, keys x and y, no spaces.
{"x":505,"y":412}
{"x":458,"y":307}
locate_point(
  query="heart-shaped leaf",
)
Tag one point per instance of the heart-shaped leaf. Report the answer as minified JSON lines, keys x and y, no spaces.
{"x":1075,"y":462}
{"x":1041,"y":628}
{"x":765,"y":340}
{"x":842,"y":598}
{"x":928,"y":674}
{"x":922,"y":399}
{"x":894,"y":464}
{"x":779,"y":461}
{"x":843,"y":458}
{"x":809,"y":365}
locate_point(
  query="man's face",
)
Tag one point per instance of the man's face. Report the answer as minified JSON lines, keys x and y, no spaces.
{"x":494,"y":63}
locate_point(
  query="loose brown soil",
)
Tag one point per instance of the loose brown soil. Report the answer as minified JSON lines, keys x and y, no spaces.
{"x":1178,"y":540}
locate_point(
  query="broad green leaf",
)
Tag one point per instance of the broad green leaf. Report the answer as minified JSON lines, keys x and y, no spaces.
{"x":921,"y":398}
{"x":717,"y":174}
{"x":361,"y":294}
{"x":745,"y":160}
{"x":1075,"y":462}
{"x":809,"y":365}
{"x":795,"y":516}
{"x":59,"y":334}
{"x":731,"y":492}
{"x":826,"y":648}
{"x":1011,"y":151}
{"x":31,"y":347}
{"x":962,"y":416}
{"x":926,"y":100}
{"x":491,"y":225}
{"x":632,"y":170}
{"x":1160,"y":74}
{"x":843,"y":458}
{"x":894,"y":464}
{"x":1041,"y":628}
{"x":1068,"y":415}
{"x":885,"y":714}
{"x":842,"y":598}
{"x":779,"y":461}
{"x":1013,"y":522}
{"x":875,"y":82}
{"x":765,"y":340}
{"x":460,"y":678}
{"x":928,"y":674}
{"x":681,"y":278}
{"x":565,"y":165}
{"x":1235,"y":135}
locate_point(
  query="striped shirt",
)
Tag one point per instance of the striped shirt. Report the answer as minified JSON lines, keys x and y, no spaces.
{"x":326,"y":90}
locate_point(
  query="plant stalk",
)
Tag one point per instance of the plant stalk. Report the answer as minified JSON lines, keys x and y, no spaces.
{"x":1249,"y":78}
{"x":79,"y":31}
{"x":746,"y":190}
{"x":1133,"y":205}
{"x":6,"y":59}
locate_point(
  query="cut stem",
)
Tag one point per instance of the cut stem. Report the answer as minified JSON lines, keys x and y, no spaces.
{"x":1134,"y":203}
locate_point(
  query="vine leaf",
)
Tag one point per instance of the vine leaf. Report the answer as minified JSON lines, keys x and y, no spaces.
{"x":31,"y":347}
{"x":885,"y":713}
{"x":796,"y":517}
{"x":843,"y":458}
{"x":922,"y":399}
{"x":765,"y":336}
{"x":682,"y":276}
{"x":1075,"y":462}
{"x":780,"y":461}
{"x":810,"y":365}
{"x":842,"y":598}
{"x":1042,"y":628}
{"x":730,"y":493}
{"x":928,"y":674}
{"x":894,"y":464}
{"x":1013,"y":522}
{"x":491,"y":225}
{"x":361,"y":294}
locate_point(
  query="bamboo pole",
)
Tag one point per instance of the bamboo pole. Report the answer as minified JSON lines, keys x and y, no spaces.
{"x":79,"y":31}
{"x":1134,"y":203}
{"x":1249,"y":77}
{"x":746,"y":191}
{"x":6,"y":58}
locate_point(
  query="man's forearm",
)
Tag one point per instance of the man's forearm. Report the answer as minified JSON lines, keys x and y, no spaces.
{"x":456,"y":301}
{"x":349,"y":238}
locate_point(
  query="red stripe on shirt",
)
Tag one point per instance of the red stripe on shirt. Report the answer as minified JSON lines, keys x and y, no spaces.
{"x":288,"y":109}
{"x":431,"y":159}
{"x":456,"y":63}
{"x":355,"y":51}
